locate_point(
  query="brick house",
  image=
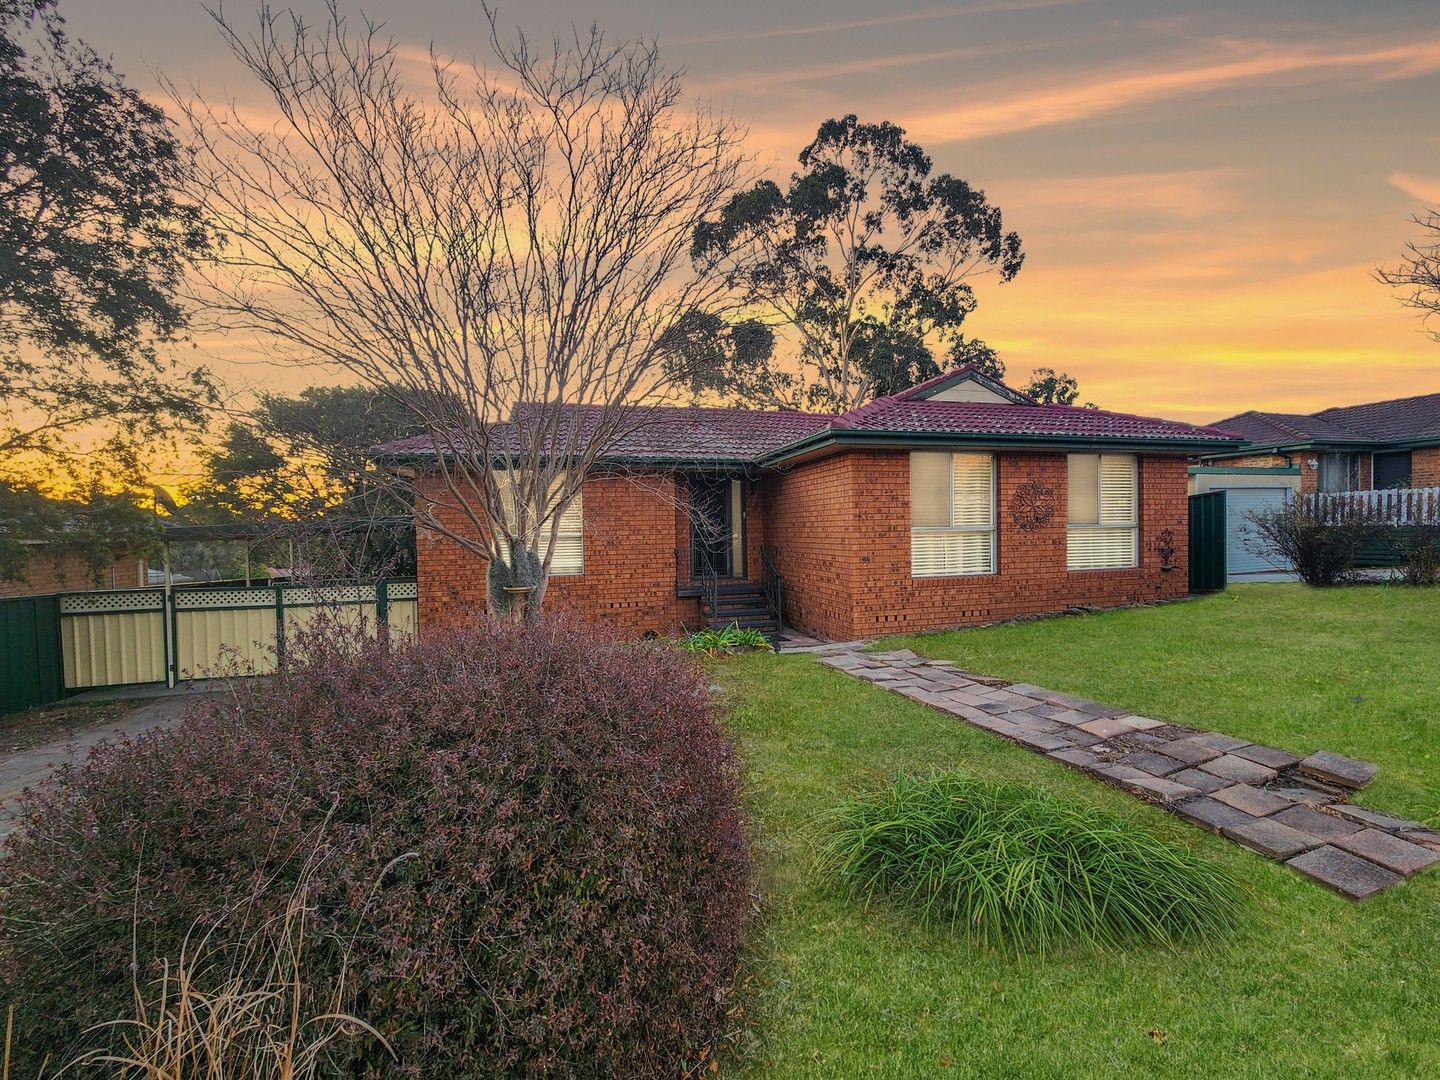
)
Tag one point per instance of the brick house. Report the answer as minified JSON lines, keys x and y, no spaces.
{"x":956,"y":502}
{"x":46,"y":573}
{"x":1384,"y":444}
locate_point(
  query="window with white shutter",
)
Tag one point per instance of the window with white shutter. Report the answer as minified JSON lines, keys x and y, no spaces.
{"x":952,"y":514}
{"x":1104,"y":502}
{"x":569,"y":557}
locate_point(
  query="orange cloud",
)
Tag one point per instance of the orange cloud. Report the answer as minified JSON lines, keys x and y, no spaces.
{"x":1103,"y":93}
{"x":999,"y":7}
{"x":1424,"y":188}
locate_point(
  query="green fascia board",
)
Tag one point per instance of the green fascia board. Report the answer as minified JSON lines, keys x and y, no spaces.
{"x":1245,"y":470}
{"x":1359,"y":446}
{"x":886,"y":439}
{"x":731,"y":464}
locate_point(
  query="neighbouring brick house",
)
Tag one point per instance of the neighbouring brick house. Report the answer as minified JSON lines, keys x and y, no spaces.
{"x":45,"y":573}
{"x":956,"y":502}
{"x":1384,"y":444}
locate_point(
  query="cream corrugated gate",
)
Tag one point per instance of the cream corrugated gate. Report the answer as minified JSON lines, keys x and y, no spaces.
{"x":124,"y":637}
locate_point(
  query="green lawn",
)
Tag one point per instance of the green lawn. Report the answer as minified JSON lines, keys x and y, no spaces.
{"x":1315,"y":986}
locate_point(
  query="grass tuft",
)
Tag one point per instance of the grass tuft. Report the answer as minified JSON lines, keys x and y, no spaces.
{"x":1011,"y":866}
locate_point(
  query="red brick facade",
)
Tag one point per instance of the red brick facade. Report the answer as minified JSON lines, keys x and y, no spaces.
{"x":45,"y":575}
{"x":843,"y":536}
{"x":636,"y":544}
{"x":841,"y":529}
{"x":1425,"y":467}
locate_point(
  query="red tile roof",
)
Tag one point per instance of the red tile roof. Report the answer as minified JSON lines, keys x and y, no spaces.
{"x":733,"y":435}
{"x":1040,"y":421}
{"x":1401,"y":420}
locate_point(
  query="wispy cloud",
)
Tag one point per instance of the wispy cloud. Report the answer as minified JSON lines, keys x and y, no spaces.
{"x":867,"y":24}
{"x":1424,"y":188}
{"x":1103,"y":92}
{"x":753,"y":81}
{"x":1182,"y":194}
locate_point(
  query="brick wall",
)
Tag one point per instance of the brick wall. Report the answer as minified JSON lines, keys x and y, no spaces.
{"x":635,"y":524}
{"x":843,"y":528}
{"x":70,"y":574}
{"x":1425,"y":467}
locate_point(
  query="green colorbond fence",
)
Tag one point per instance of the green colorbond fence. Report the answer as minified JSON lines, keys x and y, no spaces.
{"x":1207,"y":542}
{"x":30,"y":672}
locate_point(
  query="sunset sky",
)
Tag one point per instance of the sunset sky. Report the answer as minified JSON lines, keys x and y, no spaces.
{"x":1203,"y":189}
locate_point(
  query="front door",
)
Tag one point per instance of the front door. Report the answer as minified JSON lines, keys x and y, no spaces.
{"x":717,"y":527}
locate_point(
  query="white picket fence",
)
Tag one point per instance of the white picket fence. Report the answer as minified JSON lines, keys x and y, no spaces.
{"x":1398,"y":506}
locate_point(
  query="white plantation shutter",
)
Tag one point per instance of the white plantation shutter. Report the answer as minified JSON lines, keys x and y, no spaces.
{"x":569,"y":557}
{"x":1104,"y":512}
{"x":952,"y":514}
{"x":1099,"y":549}
{"x":942,"y":553}
{"x":1118,"y":497}
{"x":973,"y":485}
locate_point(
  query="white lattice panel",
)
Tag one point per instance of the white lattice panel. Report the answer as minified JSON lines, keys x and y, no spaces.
{"x":100,"y":603}
{"x":225,"y":598}
{"x":329,"y":594}
{"x":403,"y":590}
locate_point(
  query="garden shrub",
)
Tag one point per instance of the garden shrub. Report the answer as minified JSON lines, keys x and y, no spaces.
{"x":1012,"y":866}
{"x":1321,"y":552}
{"x":525,"y":846}
{"x":1418,"y":547}
{"x":728,"y":639}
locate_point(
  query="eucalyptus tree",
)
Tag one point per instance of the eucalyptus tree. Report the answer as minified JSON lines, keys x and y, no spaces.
{"x":866,"y":257}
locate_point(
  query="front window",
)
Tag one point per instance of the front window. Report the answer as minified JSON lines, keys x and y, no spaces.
{"x":1339,"y":472}
{"x":952,"y":514}
{"x":1392,"y":470}
{"x":1104,"y":527}
{"x":569,"y":556}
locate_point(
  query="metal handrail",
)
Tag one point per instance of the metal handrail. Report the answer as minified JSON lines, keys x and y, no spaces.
{"x":772,"y":584}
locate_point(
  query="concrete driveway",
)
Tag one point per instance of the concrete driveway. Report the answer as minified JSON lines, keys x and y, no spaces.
{"x":24,"y":768}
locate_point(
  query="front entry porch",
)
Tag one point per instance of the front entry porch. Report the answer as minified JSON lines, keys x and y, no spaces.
{"x":719,"y":565}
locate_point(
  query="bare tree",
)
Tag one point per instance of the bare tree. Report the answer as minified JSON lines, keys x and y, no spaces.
{"x":1418,"y":272}
{"x":509,"y":250}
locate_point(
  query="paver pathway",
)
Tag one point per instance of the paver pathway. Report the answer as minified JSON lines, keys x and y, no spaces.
{"x":1285,"y":807}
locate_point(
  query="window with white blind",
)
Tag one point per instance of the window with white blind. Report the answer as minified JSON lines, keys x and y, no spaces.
{"x":1104,"y":529}
{"x":569,"y":557}
{"x":952,"y":514}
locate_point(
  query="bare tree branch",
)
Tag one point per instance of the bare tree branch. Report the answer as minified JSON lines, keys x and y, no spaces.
{"x":510,"y":251}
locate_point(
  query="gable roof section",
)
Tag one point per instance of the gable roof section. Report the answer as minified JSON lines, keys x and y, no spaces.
{"x":964,"y":373}
{"x":1400,"y":421}
{"x":663,"y":435}
{"x":1410,"y":419}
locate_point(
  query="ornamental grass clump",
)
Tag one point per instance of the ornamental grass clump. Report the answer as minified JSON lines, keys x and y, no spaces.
{"x":519,"y":851}
{"x":1012,"y":866}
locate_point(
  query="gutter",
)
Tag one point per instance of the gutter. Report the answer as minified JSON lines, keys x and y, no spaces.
{"x":1357,"y":446}
{"x":823,"y":440}
{"x":828,"y":438}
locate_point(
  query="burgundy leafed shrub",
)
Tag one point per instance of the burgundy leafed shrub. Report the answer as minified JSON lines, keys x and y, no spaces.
{"x":533,"y":855}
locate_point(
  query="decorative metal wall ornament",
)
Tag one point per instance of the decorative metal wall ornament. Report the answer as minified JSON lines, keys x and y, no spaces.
{"x":1165,"y":548}
{"x":1032,"y":506}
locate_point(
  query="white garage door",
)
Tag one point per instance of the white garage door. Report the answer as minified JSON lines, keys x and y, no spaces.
{"x":1241,"y":554}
